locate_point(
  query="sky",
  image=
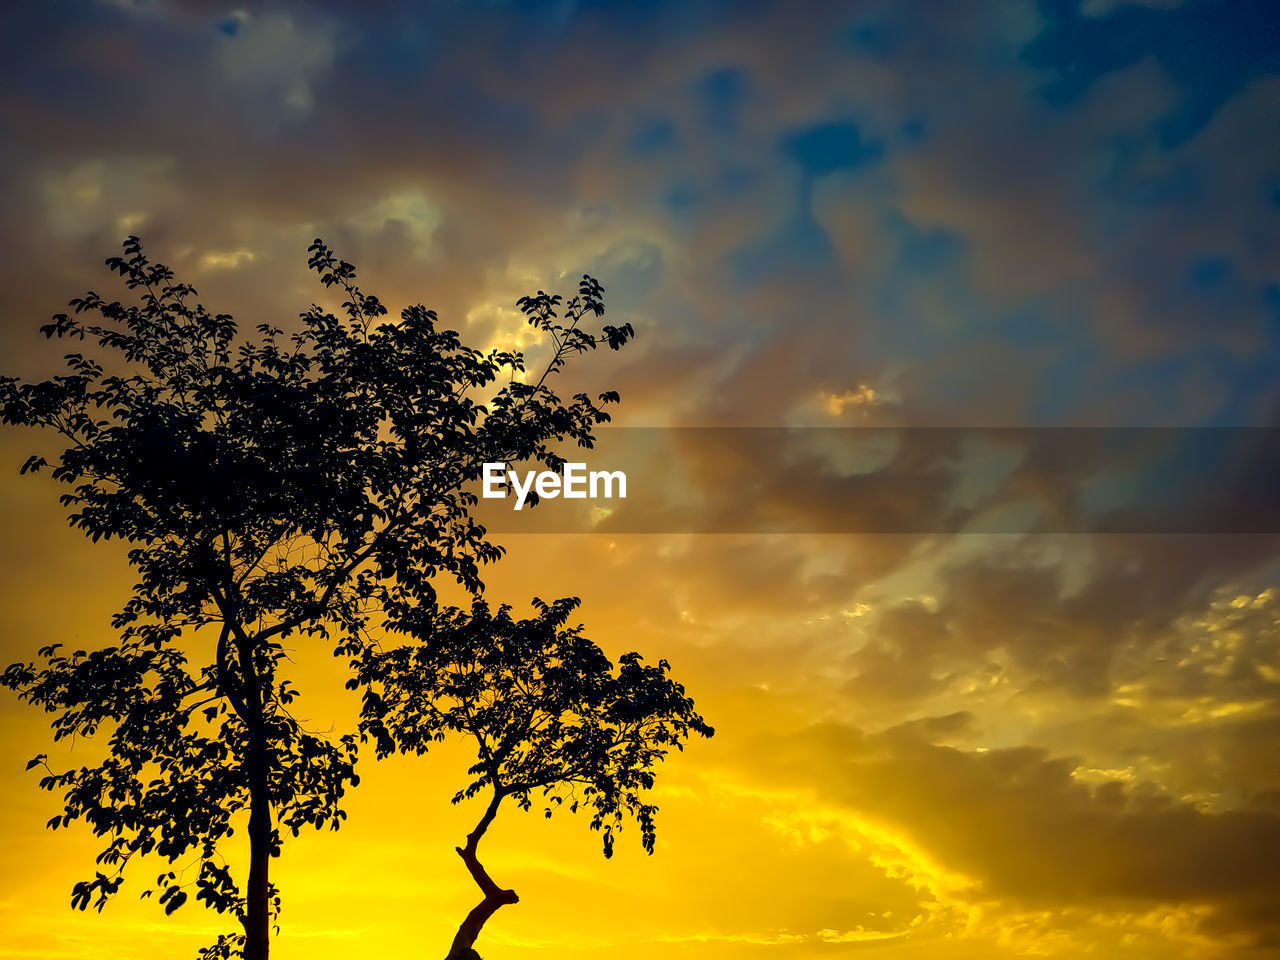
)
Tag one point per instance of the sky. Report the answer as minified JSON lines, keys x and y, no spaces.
{"x":1022,"y":743}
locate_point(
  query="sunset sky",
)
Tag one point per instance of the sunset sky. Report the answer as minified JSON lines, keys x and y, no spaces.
{"x":896,"y":213}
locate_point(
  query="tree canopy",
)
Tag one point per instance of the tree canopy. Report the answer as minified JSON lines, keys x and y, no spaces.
{"x":274,"y":488}
{"x":554,"y":722}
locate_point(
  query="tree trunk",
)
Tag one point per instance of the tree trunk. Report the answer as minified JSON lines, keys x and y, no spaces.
{"x":246,"y":700}
{"x":463,"y":941}
{"x":257,"y":921}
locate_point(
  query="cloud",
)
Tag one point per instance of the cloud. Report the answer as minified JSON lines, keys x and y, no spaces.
{"x":274,"y":59}
{"x":1031,"y":835}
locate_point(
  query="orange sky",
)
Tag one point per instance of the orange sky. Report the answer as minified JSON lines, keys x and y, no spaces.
{"x":928,"y":745}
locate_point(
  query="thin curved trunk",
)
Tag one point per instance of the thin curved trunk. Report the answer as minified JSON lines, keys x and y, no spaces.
{"x":494,"y":897}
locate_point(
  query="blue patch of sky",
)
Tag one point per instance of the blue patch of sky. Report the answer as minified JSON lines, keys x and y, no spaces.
{"x":929,"y":250}
{"x":1179,"y":468}
{"x":1250,"y":384}
{"x":724,"y":92}
{"x":827,"y":148}
{"x":913,"y":130}
{"x":800,"y":243}
{"x":1210,"y":49}
{"x":1065,"y":381}
{"x":1165,"y":386}
{"x":685,"y":197}
{"x":682,"y":197}
{"x":798,"y":246}
{"x":872,"y":37}
{"x":404,"y":52}
{"x":735,"y":179}
{"x":650,"y":136}
{"x":1208,"y":274}
{"x":1028,"y":326}
{"x":1131,"y":177}
{"x":1271,"y":300}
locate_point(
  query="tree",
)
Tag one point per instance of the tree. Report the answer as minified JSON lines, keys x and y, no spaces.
{"x":553,"y":721}
{"x":273,"y":488}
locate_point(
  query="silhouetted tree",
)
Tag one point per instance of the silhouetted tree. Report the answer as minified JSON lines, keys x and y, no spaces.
{"x":553,"y":720}
{"x":272,"y":487}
